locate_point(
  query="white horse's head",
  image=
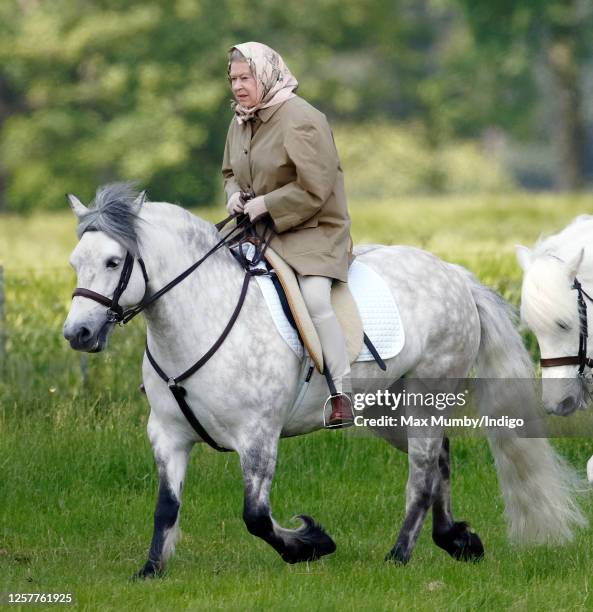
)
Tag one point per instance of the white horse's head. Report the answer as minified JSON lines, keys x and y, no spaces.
{"x":549,"y":308}
{"x":107,"y":232}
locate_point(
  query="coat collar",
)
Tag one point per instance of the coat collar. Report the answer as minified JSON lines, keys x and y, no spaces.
{"x":266,"y":113}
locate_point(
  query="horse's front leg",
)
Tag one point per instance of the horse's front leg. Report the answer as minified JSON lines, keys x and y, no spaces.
{"x":171,"y":455}
{"x":308,"y":542}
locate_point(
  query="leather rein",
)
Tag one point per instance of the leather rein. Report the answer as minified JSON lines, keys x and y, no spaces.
{"x":116,"y":314}
{"x":581,"y":358}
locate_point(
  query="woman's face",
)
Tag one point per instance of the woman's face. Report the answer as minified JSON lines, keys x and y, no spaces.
{"x":243,"y":84}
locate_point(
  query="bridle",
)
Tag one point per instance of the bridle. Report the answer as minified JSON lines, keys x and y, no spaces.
{"x":116,"y":314}
{"x":581,"y":358}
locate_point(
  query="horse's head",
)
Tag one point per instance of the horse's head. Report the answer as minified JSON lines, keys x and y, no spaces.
{"x":549,"y":307}
{"x":107,"y":233}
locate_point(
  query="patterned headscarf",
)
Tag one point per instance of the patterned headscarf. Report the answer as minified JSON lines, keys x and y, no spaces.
{"x":275,"y":83}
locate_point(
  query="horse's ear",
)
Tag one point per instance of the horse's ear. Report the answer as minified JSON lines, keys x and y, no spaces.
{"x":137,"y":205}
{"x":574,"y":264}
{"x":523,"y":255}
{"x":78,"y":208}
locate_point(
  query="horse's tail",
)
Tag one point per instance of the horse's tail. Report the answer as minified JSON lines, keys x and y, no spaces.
{"x":538,"y":486}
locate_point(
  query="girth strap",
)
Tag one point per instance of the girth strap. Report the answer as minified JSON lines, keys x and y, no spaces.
{"x":374,"y":352}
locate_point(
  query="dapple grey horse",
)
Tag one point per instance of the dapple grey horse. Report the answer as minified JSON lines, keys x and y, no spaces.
{"x":244,"y":395}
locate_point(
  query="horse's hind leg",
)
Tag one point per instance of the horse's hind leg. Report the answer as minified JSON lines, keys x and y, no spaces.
{"x":423,"y":456}
{"x":171,"y":458}
{"x":308,"y":542}
{"x":454,"y":537}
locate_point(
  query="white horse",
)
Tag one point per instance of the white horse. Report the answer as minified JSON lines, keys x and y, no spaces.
{"x":243,"y":396}
{"x":557,"y":285}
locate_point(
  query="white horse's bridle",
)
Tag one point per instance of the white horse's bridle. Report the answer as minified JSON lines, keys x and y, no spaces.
{"x":581,"y":358}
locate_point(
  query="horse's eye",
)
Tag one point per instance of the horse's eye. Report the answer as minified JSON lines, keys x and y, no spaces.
{"x":112,"y":263}
{"x":562,"y":325}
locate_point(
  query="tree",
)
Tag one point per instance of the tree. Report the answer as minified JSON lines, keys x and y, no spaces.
{"x":557,"y":34}
{"x":93,"y":92}
{"x":101,"y":90}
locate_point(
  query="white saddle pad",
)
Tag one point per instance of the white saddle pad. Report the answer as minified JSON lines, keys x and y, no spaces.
{"x":378,"y":310}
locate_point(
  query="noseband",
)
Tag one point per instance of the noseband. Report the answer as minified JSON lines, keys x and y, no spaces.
{"x":581,"y":359}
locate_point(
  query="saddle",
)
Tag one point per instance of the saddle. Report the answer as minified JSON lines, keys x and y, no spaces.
{"x":342,"y":302}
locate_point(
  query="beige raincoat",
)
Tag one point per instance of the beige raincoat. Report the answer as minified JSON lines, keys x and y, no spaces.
{"x":291,"y":159}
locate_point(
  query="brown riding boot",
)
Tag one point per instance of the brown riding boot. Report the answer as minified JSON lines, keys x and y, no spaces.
{"x":341,"y":415}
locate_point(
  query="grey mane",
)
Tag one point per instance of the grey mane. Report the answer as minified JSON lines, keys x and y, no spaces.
{"x":112,"y":211}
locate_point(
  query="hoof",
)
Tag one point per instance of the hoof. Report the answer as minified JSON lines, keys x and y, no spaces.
{"x":397,"y":555}
{"x":150,"y":570}
{"x":308,"y":543}
{"x":460,"y":542}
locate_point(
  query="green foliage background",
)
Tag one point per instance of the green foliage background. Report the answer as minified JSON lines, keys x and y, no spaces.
{"x":97,"y":90}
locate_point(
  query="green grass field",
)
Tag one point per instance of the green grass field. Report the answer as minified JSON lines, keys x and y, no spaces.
{"x":77,"y":481}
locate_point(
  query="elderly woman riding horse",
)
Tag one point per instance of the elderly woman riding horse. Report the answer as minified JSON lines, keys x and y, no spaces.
{"x":280,"y":155}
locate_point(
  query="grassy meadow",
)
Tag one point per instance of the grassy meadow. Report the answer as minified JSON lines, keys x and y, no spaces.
{"x":78,"y":484}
